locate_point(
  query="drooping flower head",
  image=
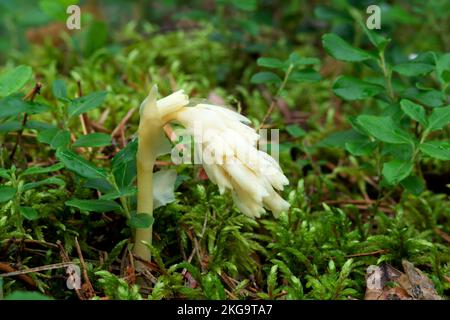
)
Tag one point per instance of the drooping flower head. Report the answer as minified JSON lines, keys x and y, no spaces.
{"x":227,"y":147}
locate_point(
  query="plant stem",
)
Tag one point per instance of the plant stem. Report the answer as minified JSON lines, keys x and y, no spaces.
{"x":146,"y":156}
{"x":274,"y":99}
{"x":29,"y":97}
{"x":387,"y":75}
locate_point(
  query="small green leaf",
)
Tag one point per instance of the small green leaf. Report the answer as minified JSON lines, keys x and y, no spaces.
{"x":94,"y":205}
{"x":443,"y":68}
{"x":51,"y":180}
{"x":379,"y":41}
{"x":438,"y":118}
{"x":124,"y":165}
{"x":59,"y":90}
{"x":295,"y":131}
{"x":413,"y":184}
{"x":350,"y":88}
{"x":402,"y":152}
{"x":415,"y":111}
{"x":29,"y":213}
{"x":140,"y":220}
{"x":270,"y":63}
{"x":14,"y":79}
{"x":5,"y":174}
{"x":79,"y":165}
{"x":296,"y":60}
{"x":384,"y":129}
{"x":246,"y":5}
{"x":396,"y":170}
{"x":39,"y":170}
{"x":93,"y":140}
{"x":61,"y":139}
{"x":342,"y":50}
{"x":12,"y":106}
{"x":436,"y":149}
{"x":95,"y":37}
{"x":46,"y":136}
{"x":361,"y":148}
{"x":39,"y":125}
{"x":7,"y":193}
{"x":265,"y":77}
{"x":307,"y":75}
{"x":10,"y":126}
{"x":430,"y":98}
{"x":339,"y":139}
{"x":86,"y":103}
{"x":125,"y":192}
{"x":102,"y":185}
{"x":413,"y":69}
{"x":27,"y":295}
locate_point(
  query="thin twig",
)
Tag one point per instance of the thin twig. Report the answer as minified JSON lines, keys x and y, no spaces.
{"x":277,"y":95}
{"x":83,"y":265}
{"x":123,"y":122}
{"x":444,"y":235}
{"x":364,"y":254}
{"x":10,"y":271}
{"x":36,"y":269}
{"x":66,"y":258}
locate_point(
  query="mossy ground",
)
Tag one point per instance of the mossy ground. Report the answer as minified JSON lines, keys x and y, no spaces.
{"x":203,"y":246}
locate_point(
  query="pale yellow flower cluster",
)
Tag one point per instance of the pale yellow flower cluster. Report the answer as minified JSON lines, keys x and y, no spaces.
{"x":228,"y":149}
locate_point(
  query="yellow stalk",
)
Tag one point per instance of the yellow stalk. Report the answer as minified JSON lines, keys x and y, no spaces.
{"x":150,"y":133}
